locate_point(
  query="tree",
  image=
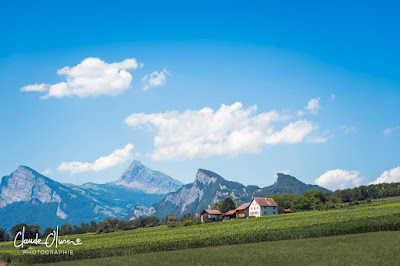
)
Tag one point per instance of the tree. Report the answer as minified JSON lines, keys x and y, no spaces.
{"x":48,"y":231}
{"x":93,"y":226}
{"x":224,"y":205}
{"x":284,"y":201}
{"x":301,"y":203}
{"x":66,"y":229}
{"x":317,"y":198}
{"x":30,"y":230}
{"x":3,"y":235}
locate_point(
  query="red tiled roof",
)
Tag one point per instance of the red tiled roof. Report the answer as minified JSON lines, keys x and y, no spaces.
{"x":287,"y":210}
{"x":266,"y":202}
{"x":230,"y":212}
{"x":212,"y":211}
{"x":243,"y":206}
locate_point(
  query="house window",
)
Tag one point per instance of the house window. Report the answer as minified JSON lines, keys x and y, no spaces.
{"x":265,"y":212}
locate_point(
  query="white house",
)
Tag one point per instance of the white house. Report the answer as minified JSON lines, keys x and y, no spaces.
{"x":263,"y":207}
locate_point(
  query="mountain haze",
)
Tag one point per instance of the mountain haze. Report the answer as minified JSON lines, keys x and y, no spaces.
{"x":209,"y":187}
{"x":142,"y":178}
{"x":27,"y":196}
{"x":287,"y":184}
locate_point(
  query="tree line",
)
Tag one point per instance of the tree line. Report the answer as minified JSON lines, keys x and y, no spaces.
{"x":318,"y":200}
{"x":106,"y":226}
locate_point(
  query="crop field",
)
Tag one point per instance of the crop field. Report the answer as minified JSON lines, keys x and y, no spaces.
{"x":380,"y":215}
{"x":352,"y":249}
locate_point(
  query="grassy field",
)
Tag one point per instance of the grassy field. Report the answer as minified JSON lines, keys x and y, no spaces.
{"x":379,"y":248}
{"x":380,"y":215}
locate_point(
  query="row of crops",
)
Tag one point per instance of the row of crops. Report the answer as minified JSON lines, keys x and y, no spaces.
{"x":381,"y":215}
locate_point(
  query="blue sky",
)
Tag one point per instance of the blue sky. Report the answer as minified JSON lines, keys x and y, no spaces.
{"x":277,"y":56}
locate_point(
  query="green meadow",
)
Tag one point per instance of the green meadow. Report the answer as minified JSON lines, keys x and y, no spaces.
{"x":380,"y":215}
{"x":378,"y":248}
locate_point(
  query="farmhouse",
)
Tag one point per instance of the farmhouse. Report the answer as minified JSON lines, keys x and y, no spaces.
{"x":243,"y":210}
{"x":211,"y":215}
{"x":230,"y":214}
{"x":263,"y":207}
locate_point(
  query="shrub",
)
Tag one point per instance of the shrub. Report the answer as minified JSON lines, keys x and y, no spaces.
{"x":187,"y":222}
{"x":173,"y":224}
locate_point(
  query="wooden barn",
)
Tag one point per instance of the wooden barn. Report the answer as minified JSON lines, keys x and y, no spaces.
{"x":210,"y":215}
{"x":230,"y":214}
{"x":243,"y":210}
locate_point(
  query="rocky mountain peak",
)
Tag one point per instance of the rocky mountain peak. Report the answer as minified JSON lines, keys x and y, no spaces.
{"x":25,"y":172}
{"x":25,"y":184}
{"x":139,"y":177}
{"x":281,"y":177}
{"x":206,"y":177}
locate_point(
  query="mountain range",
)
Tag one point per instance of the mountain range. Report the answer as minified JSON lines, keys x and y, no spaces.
{"x":209,"y":187}
{"x":27,"y":196}
{"x":30,"y":197}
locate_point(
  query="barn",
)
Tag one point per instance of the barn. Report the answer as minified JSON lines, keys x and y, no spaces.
{"x":210,"y":215}
{"x":230,"y":214}
{"x":243,"y":210}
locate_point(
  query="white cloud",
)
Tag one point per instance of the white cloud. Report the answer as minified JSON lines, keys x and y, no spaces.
{"x":390,"y":176}
{"x":333,"y":96}
{"x":47,"y":172}
{"x":91,"y":77}
{"x":390,"y":131}
{"x":154,"y":79}
{"x":118,"y":157}
{"x":311,"y":107}
{"x":35,"y":87}
{"x":231,"y":130}
{"x":339,"y":179}
{"x":292,"y":133}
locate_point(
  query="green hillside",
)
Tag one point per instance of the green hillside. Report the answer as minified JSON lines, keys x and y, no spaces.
{"x":380,"y":215}
{"x":354,"y":249}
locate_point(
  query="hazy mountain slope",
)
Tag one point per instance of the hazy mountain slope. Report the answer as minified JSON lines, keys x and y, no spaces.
{"x":142,"y":178}
{"x":207,"y":188}
{"x":29,"y":197}
{"x":286,"y":184}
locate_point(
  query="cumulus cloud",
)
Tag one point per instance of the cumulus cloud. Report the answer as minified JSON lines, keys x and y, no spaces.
{"x":292,"y":133}
{"x":312,"y":107}
{"x":390,"y":176}
{"x":154,"y":79}
{"x":231,"y":130}
{"x":35,"y":87}
{"x":339,"y":179}
{"x":333,"y":96}
{"x":118,"y":157}
{"x":91,"y":77}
